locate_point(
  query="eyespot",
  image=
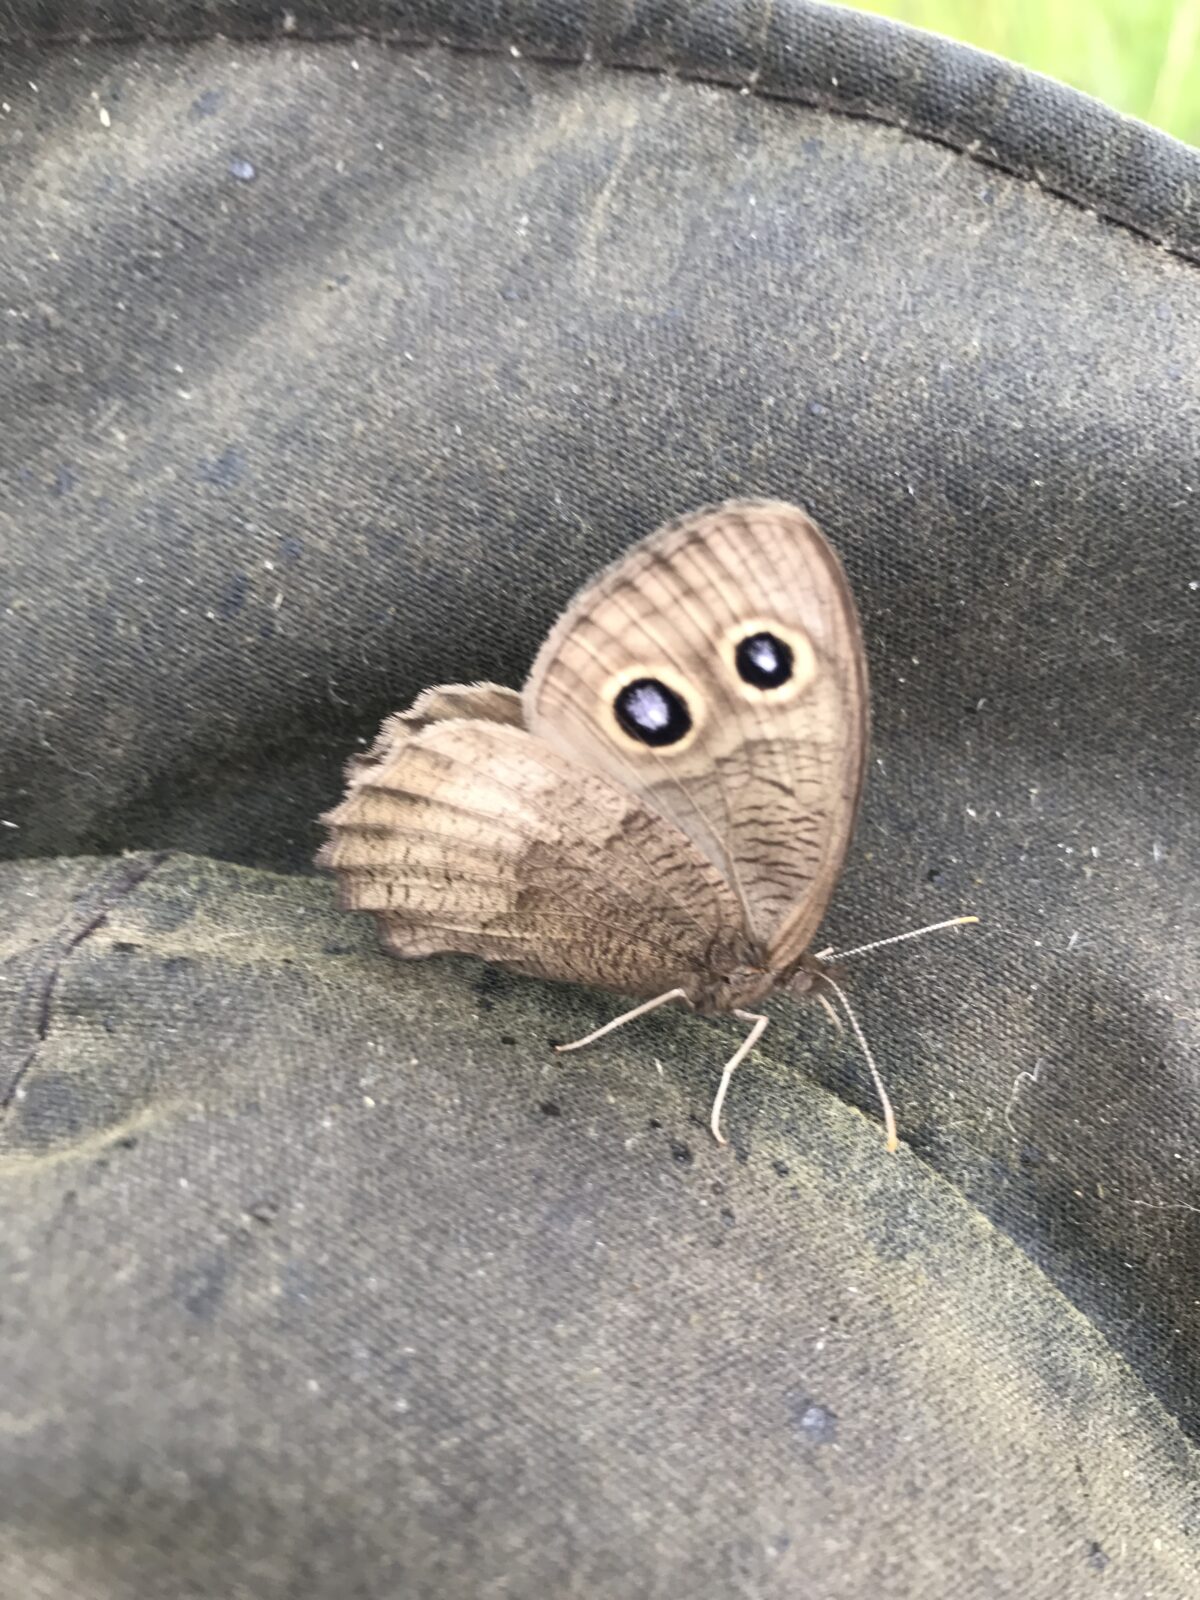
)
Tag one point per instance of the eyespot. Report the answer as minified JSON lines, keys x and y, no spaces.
{"x":652,"y":713}
{"x":764,"y":660}
{"x":775,"y":660}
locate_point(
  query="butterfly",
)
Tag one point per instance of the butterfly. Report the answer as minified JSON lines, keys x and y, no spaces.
{"x":663,"y":810}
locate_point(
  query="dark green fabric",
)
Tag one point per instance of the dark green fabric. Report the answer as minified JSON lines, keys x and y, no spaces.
{"x":331,"y":367}
{"x":369,"y":1295}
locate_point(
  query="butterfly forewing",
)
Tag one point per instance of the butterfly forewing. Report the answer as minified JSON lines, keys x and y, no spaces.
{"x":717,"y":672}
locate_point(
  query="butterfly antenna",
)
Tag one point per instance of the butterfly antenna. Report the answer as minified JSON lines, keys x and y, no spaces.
{"x":889,"y":1116}
{"x":896,"y":938}
{"x":827,"y":1007}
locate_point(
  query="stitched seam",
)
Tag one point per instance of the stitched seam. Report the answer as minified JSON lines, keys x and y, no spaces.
{"x":396,"y":38}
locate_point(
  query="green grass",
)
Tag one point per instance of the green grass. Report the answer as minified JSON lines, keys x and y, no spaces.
{"x":1142,"y":56}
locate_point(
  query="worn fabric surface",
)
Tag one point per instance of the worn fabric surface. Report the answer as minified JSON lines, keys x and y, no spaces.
{"x":334,"y":358}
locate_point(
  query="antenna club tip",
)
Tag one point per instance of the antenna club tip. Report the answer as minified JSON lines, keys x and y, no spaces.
{"x":892,"y":1145}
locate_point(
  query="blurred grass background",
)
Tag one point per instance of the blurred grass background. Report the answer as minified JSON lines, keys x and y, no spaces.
{"x":1141,"y":56}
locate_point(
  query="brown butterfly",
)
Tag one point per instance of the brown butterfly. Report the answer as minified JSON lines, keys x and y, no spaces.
{"x":664,"y":809}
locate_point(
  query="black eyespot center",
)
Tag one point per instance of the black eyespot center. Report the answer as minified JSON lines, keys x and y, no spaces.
{"x":653,"y":713}
{"x":764,"y":660}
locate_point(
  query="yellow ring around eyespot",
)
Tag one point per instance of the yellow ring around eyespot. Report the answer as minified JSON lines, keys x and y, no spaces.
{"x":674,"y":681}
{"x":804,"y":658}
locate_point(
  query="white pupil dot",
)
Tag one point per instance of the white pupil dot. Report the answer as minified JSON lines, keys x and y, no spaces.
{"x":764,"y":655}
{"x":647,"y":706}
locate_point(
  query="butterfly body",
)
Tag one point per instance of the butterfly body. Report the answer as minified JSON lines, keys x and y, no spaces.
{"x":664,"y":808}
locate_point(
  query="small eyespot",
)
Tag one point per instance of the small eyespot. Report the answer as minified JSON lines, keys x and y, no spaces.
{"x":652,"y":713}
{"x":764,"y":661}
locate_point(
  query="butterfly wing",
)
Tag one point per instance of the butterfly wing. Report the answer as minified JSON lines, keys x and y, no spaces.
{"x":470,"y":834}
{"x":717,"y":672}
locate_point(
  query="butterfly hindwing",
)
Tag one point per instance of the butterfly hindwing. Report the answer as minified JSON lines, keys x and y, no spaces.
{"x":470,"y":834}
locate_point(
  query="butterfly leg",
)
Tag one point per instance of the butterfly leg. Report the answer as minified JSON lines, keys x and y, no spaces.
{"x":731,"y":1066}
{"x":626,"y":1016}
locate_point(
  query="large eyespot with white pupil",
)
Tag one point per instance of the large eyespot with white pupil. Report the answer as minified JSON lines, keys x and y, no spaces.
{"x":770,"y":660}
{"x":654,"y":707}
{"x":652,"y":712}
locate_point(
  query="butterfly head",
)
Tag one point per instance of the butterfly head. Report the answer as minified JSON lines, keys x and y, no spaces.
{"x":807,"y":976}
